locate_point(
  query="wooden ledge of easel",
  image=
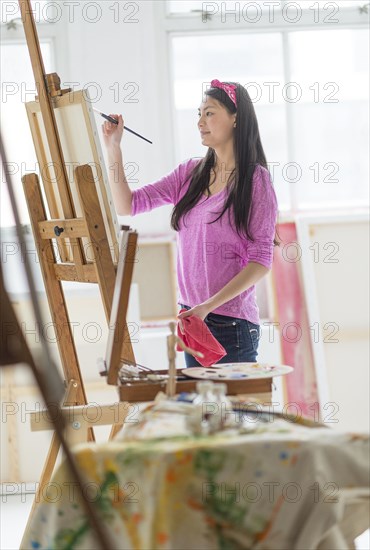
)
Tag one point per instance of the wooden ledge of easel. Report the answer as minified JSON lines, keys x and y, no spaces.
{"x":79,"y":418}
{"x":68,"y":272}
{"x":65,"y":229}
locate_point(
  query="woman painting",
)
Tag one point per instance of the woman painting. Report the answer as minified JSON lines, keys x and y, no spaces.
{"x":225,"y":212}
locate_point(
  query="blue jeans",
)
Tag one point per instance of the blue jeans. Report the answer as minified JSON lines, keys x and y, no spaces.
{"x":239,"y":337}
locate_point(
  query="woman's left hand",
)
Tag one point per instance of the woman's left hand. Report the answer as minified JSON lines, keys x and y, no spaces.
{"x":201,"y":311}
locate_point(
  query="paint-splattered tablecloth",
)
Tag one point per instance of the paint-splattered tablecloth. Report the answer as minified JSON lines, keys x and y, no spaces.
{"x":283,"y":486}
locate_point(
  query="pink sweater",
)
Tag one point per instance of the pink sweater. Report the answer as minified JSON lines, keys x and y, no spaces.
{"x":209,"y":256}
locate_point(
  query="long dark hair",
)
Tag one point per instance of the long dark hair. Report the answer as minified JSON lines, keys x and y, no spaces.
{"x":248,"y":153}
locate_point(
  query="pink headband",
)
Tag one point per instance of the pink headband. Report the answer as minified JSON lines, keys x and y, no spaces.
{"x":228,"y":88}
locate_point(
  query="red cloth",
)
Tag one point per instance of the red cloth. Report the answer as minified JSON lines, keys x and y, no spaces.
{"x":199,"y":338}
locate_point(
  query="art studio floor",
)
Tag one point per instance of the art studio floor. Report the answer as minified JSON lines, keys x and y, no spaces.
{"x":16,"y":508}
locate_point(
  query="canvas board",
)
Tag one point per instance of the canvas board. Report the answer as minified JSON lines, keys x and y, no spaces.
{"x":80,"y":145}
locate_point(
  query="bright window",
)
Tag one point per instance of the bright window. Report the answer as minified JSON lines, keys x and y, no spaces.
{"x":309,"y":85}
{"x":331,"y":123}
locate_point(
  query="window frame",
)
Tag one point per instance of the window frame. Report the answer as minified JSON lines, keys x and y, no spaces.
{"x":53,"y":33}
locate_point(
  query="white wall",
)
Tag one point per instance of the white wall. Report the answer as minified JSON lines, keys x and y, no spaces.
{"x":341,"y":280}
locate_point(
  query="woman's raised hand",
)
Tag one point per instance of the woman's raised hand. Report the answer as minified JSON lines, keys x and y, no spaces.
{"x":112,"y":133}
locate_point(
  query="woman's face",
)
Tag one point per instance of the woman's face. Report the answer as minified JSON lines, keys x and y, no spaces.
{"x":216,"y":124}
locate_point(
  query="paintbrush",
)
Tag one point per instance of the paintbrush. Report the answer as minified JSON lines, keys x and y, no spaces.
{"x":115,"y":121}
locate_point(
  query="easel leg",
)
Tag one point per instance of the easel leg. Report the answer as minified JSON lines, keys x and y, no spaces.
{"x":114,"y":430}
{"x":122,"y":414}
{"x":52,"y":456}
{"x":105,"y":269}
{"x":89,"y":202}
{"x":53,"y":287}
{"x":46,"y":473}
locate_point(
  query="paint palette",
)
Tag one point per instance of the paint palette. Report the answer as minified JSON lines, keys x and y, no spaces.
{"x":237,"y":371}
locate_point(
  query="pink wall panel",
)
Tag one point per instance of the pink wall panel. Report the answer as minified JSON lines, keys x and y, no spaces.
{"x":301,"y":387}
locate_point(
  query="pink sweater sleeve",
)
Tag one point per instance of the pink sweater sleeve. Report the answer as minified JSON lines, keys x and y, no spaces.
{"x":164,"y":191}
{"x":263,"y":218}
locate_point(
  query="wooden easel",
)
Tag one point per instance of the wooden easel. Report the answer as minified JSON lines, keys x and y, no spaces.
{"x":68,"y":232}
